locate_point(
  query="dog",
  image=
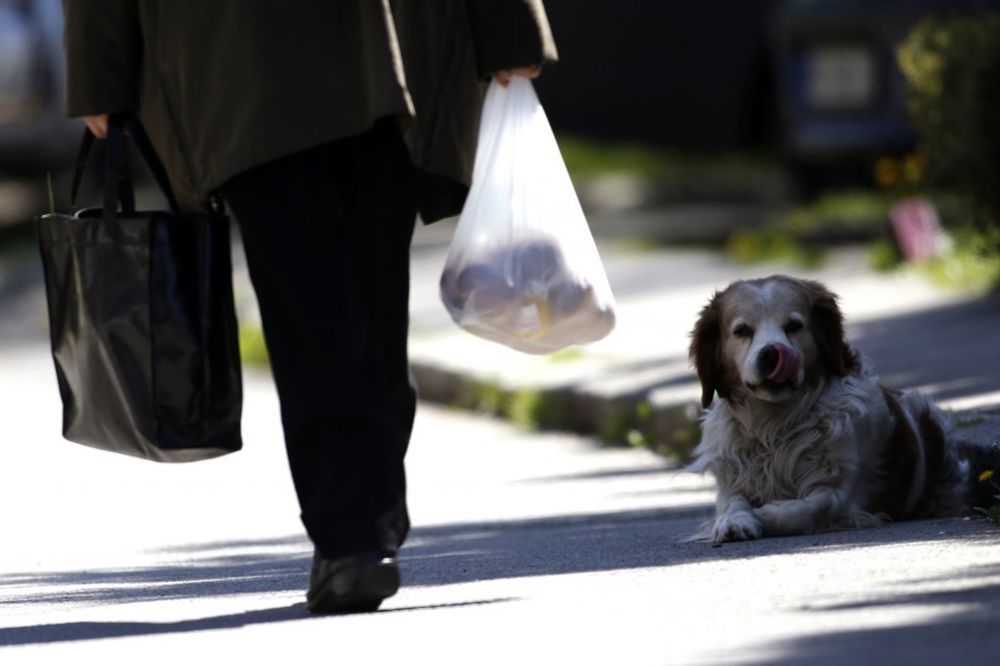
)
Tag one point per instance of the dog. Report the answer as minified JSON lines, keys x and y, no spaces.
{"x":803,"y":437}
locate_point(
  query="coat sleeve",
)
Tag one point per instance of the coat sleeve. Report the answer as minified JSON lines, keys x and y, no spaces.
{"x":103,"y":43}
{"x":510,"y":33}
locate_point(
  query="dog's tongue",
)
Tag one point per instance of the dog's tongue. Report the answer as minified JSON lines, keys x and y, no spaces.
{"x":787,"y":368}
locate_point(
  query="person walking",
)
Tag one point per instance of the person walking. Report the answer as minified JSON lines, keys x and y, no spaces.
{"x":325,"y":127}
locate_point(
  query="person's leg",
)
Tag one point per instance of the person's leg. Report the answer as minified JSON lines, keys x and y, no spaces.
{"x":326,"y":234}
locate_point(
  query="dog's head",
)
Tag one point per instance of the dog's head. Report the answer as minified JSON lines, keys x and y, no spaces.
{"x":765,"y":339}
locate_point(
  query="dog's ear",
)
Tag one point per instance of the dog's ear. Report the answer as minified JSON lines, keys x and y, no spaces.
{"x":704,"y":350}
{"x":827,"y":324}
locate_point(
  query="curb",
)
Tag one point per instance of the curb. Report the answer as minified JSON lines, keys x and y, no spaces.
{"x":663,"y":419}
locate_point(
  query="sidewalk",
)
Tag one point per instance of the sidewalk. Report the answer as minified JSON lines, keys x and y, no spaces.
{"x":527,"y":547}
{"x":637,"y":383}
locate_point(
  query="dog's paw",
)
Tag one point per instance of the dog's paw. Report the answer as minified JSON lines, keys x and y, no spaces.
{"x":784,"y":517}
{"x":772,"y":513}
{"x":741,"y":526}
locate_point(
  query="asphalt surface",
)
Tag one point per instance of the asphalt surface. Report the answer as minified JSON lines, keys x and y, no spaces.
{"x":527,"y":547}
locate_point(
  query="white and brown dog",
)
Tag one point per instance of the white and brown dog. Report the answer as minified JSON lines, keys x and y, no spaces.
{"x":804,"y":437}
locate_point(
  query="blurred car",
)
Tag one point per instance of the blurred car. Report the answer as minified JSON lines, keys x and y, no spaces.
{"x":674,"y":73}
{"x":35,"y":135}
{"x":842,"y":97}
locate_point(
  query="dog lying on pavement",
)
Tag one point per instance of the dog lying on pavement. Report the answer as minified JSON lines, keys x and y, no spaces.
{"x":803,"y":436}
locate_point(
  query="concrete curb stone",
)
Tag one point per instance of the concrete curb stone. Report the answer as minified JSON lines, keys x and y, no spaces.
{"x":639,"y":388}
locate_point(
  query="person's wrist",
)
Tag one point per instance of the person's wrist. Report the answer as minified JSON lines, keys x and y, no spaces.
{"x":504,"y":76}
{"x":97,"y":124}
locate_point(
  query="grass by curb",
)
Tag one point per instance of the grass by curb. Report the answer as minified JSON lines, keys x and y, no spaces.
{"x":624,"y":421}
{"x":673,"y":176}
{"x":971,"y":264}
{"x":801,"y":234}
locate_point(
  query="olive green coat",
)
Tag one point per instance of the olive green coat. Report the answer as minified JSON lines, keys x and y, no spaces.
{"x":226,"y":85}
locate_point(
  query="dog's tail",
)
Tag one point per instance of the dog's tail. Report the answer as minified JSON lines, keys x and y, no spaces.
{"x":984,"y":471}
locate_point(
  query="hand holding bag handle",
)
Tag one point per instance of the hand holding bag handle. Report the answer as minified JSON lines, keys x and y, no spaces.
{"x":142,"y":320}
{"x":116,"y":164}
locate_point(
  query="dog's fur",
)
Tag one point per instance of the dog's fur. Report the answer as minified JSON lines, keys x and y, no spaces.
{"x":803,"y":437}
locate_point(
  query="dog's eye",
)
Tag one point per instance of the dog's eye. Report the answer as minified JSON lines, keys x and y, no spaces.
{"x":793,"y":326}
{"x":743,"y":331}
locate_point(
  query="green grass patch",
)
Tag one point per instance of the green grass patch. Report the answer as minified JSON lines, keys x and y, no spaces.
{"x":760,"y":246}
{"x":534,"y":409}
{"x":636,"y":438}
{"x":992,"y":513}
{"x":972,"y":264}
{"x":855,"y":213}
{"x":530,"y":409}
{"x":525,"y":409}
{"x":484,"y":397}
{"x":884,"y":256}
{"x":677,"y":175}
{"x":971,"y":422}
{"x":681,"y":443}
{"x":253,"y":350}
{"x":642,"y":435}
{"x":635,"y":426}
{"x":624,"y":424}
{"x":799,"y":235}
{"x":586,"y":157}
{"x":569,"y":355}
{"x":616,"y":426}
{"x":839,"y":211}
{"x":593,"y":157}
{"x":640,"y":245}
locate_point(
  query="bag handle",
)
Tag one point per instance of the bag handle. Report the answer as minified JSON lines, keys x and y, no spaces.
{"x":117,"y":178}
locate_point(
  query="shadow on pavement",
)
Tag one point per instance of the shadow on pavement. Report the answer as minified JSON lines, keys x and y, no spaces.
{"x":434,"y":556}
{"x":948,"y":352}
{"x":968,"y":608}
{"x":451,"y":554}
{"x":77,"y":631}
{"x":198,"y":578}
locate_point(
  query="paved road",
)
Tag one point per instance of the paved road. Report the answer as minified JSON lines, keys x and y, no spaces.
{"x":527,"y":548}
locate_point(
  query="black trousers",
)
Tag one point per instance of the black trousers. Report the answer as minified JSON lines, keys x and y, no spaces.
{"x":327,"y":236}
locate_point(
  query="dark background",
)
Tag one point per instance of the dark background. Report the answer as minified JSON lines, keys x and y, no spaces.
{"x":689,"y":75}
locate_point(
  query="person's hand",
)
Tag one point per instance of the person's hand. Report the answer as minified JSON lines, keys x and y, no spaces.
{"x":98,"y":125}
{"x":504,"y":76}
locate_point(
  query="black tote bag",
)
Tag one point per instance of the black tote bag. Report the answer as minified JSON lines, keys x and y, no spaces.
{"x":141,"y":315}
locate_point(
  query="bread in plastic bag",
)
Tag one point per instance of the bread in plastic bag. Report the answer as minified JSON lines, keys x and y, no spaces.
{"x":522,"y":268}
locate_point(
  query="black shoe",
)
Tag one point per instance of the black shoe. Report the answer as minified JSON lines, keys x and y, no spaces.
{"x":352,"y":584}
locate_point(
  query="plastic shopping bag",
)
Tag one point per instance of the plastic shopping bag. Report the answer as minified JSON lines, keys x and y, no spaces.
{"x":522,"y":268}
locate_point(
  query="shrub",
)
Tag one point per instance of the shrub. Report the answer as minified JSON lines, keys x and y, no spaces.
{"x":952,"y":66}
{"x":972,"y":263}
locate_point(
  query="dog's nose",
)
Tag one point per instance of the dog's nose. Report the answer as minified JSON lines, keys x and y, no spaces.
{"x":767,"y":360}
